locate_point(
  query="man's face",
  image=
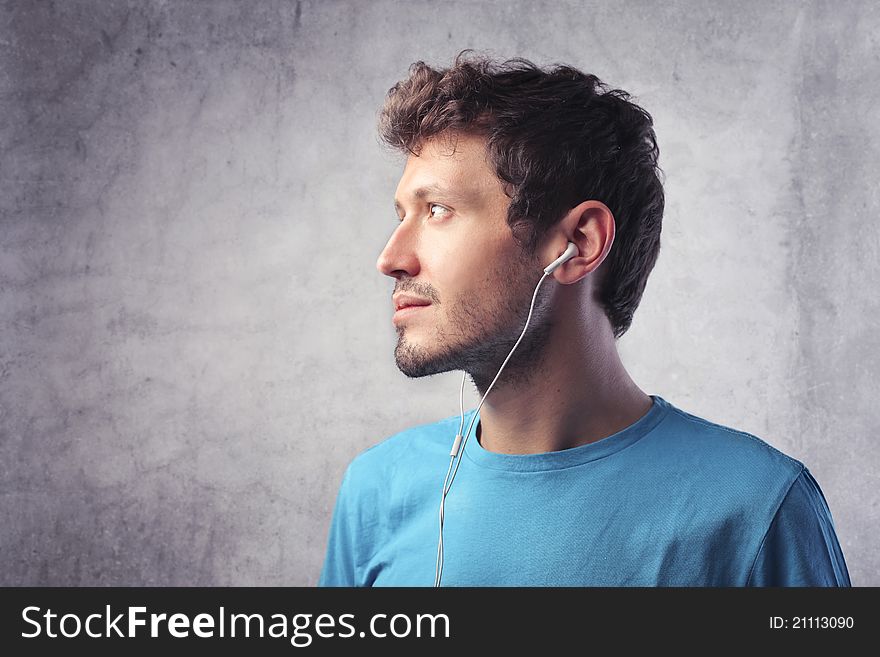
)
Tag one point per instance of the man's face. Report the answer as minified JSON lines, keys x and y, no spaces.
{"x":454,"y":251}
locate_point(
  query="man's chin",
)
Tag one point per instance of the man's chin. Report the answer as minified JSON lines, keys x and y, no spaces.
{"x":415,"y":369}
{"x":414,"y":361}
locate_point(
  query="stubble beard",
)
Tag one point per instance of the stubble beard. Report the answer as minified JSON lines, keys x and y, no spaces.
{"x":476,"y":337}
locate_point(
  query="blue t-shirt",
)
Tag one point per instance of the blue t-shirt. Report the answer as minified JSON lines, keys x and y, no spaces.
{"x":671,"y":500}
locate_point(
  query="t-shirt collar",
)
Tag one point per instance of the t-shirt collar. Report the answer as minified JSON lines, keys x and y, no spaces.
{"x":565,"y":458}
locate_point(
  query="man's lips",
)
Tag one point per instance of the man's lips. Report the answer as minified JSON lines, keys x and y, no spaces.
{"x":408,"y":301}
{"x":405,"y":304}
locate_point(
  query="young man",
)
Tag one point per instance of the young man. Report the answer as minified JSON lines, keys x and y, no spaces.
{"x":570,"y":474}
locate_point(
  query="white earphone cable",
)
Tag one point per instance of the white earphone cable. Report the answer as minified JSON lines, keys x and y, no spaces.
{"x":439,"y":567}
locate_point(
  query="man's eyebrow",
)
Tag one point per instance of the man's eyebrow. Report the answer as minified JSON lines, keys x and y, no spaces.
{"x":430,"y":190}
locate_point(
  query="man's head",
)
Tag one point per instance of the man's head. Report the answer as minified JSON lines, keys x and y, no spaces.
{"x":506,"y":163}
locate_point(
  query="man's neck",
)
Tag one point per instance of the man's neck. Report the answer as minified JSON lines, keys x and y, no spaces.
{"x":582,"y":394}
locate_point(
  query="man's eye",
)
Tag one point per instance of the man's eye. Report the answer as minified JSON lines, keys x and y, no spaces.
{"x":434,"y":205}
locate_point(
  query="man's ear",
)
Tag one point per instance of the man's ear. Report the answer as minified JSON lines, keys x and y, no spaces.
{"x":590,"y":226}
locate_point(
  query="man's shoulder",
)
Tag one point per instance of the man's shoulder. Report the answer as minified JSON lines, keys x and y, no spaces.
{"x":724,"y":450}
{"x":412,"y":447}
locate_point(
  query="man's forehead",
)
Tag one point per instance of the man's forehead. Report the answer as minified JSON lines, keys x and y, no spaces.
{"x":451,"y":168}
{"x":461,"y":187}
{"x":446,"y":191}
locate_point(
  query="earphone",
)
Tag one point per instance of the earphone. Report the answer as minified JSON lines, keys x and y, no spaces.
{"x":571,"y":250}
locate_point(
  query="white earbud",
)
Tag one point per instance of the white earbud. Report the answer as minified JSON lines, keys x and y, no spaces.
{"x":570,"y":251}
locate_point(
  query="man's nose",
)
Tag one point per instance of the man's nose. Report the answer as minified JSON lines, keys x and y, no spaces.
{"x":398,"y":258}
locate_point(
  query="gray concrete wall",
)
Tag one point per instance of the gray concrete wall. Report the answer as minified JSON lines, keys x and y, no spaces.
{"x":195,"y":342}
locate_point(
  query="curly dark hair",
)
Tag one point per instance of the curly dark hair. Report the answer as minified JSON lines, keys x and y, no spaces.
{"x":555,"y":138}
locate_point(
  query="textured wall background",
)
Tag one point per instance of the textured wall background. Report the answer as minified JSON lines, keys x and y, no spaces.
{"x":195,"y":342}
